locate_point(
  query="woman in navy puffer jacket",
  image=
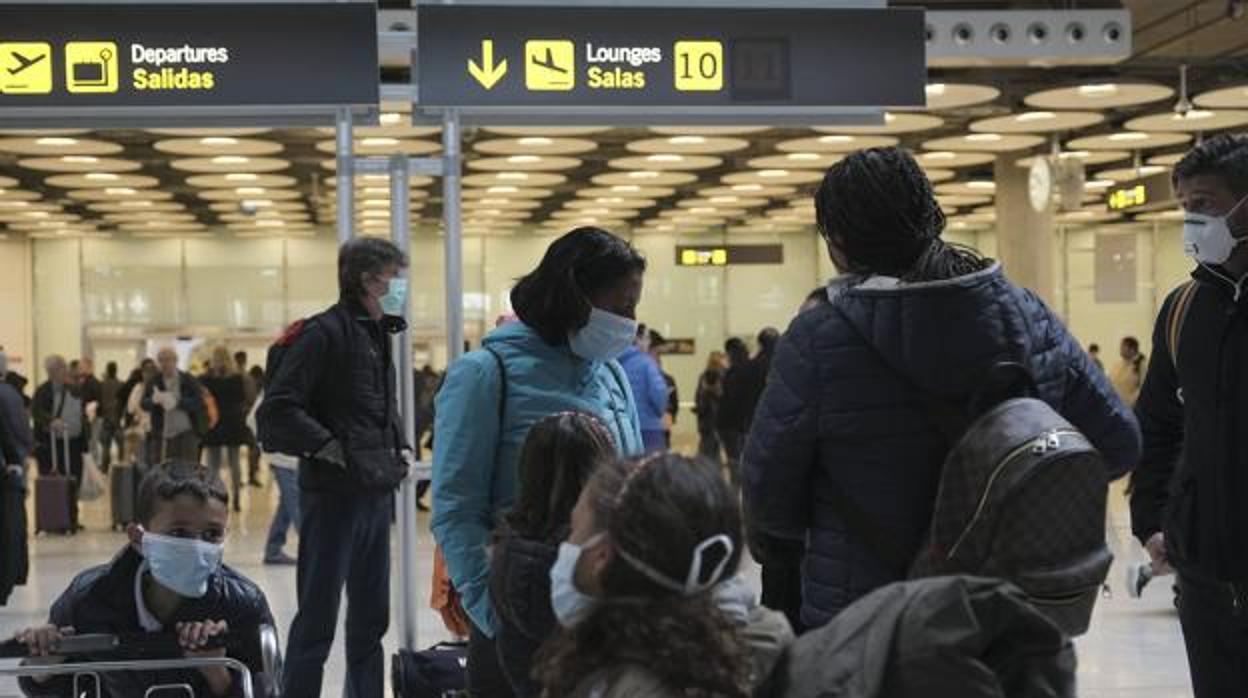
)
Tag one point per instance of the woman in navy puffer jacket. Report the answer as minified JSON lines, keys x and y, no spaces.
{"x":911,"y":313}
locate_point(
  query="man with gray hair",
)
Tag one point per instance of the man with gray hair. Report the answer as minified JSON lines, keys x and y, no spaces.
{"x":61,"y":424}
{"x":175,"y":402}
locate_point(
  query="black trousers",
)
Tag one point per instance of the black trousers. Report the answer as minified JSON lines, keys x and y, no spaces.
{"x":734,"y":444}
{"x":485,"y":672}
{"x":344,"y":539}
{"x":782,"y":579}
{"x":1215,"y":630}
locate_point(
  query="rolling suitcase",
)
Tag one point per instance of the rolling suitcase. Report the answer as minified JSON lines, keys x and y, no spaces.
{"x":52,"y":495}
{"x":122,"y":486}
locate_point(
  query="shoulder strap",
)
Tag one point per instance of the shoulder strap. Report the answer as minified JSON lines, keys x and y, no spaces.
{"x":502,"y":384}
{"x":1174,"y":321}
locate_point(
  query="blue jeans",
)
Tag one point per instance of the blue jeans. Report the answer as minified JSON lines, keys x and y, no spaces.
{"x":287,"y":513}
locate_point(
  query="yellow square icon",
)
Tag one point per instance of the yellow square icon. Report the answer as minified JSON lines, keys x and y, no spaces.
{"x":91,"y":67}
{"x":699,"y":66}
{"x":719,"y":257}
{"x":549,"y":66}
{"x":26,"y":68}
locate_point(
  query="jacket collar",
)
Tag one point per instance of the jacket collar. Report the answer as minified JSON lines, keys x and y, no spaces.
{"x":1222,"y":279}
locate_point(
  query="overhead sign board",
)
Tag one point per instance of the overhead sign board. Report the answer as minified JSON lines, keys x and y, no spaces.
{"x":724,"y":255}
{"x":1151,"y":193}
{"x":180,"y":58}
{"x":638,"y":58}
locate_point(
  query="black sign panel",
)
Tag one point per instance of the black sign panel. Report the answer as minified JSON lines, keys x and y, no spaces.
{"x":183,"y":55}
{"x":724,"y":255}
{"x":638,"y":57}
{"x":1151,"y":193}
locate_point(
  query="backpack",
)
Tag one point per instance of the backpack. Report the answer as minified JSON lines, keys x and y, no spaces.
{"x":1022,"y":497}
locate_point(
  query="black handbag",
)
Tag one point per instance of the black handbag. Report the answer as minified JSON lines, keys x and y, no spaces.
{"x":438,"y":672}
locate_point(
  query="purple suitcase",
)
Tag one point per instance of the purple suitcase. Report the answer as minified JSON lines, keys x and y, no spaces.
{"x":52,"y":496}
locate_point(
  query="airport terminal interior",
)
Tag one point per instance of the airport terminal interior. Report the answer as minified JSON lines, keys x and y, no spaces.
{"x":118,"y":241}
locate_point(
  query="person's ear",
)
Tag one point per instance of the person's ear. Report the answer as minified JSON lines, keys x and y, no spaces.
{"x":134,"y":533}
{"x":598,"y":558}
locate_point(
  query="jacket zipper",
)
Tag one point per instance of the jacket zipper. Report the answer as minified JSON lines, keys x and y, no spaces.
{"x":1040,"y":445}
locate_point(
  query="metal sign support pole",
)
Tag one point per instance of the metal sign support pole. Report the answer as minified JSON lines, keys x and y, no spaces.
{"x":451,"y":203}
{"x":346,"y":175}
{"x":400,"y":231}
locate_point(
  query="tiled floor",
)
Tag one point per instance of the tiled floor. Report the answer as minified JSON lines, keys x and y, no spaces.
{"x":1134,"y":649}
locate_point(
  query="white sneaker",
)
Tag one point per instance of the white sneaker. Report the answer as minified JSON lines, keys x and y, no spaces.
{"x":1138,"y":577}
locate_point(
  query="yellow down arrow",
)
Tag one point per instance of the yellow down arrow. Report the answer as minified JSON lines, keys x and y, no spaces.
{"x":488,"y":73}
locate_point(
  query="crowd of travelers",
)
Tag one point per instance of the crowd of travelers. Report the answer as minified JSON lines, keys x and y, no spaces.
{"x":591,"y":560}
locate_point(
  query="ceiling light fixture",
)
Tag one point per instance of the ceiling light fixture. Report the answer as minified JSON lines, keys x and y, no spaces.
{"x":535,"y":141}
{"x":379,"y":142}
{"x":218,"y":140}
{"x":230,"y":160}
{"x":103,"y":176}
{"x":56,"y":141}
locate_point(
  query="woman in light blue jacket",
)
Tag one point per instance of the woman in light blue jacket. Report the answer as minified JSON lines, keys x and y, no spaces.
{"x":576,"y":317}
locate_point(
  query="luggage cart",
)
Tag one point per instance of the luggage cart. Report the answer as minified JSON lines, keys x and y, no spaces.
{"x":151,"y":652}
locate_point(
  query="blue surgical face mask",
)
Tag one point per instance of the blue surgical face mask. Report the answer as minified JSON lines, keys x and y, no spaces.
{"x":606,"y":336}
{"x":396,"y":296}
{"x":183,"y":565}
{"x":569,"y":604}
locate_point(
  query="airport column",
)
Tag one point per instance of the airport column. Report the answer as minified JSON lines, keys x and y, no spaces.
{"x":345,"y":152}
{"x":452,"y":222}
{"x":1025,"y":225}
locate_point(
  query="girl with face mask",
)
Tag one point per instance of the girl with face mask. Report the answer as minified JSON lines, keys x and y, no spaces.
{"x":576,"y":315}
{"x":560,"y":454}
{"x":645,"y":590}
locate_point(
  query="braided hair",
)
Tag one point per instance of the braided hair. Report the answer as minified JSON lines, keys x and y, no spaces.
{"x":877,"y":207}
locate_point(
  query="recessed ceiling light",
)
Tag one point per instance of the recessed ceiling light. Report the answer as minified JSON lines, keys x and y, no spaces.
{"x":940,"y":155}
{"x":747,"y":187}
{"x":376,"y":191}
{"x":773,"y":173}
{"x":56,"y":141}
{"x":1194,"y":115}
{"x":120,"y":191}
{"x":666,"y":157}
{"x":535,"y":141}
{"x":1098,"y":90}
{"x":524,"y":159}
{"x":981,"y":185}
{"x":984,"y":137}
{"x":258,"y":203}
{"x":250,"y":190}
{"x":1099,"y":184}
{"x":687,"y":140}
{"x":391,"y":118}
{"x":513,"y":175}
{"x":935,"y":89}
{"x":218,"y":140}
{"x":1079,"y":154}
{"x":1128,"y":136}
{"x":502,"y":190}
{"x":241,"y":177}
{"x":626,"y":187}
{"x":643,"y":174}
{"x":102,"y":176}
{"x":724,"y":199}
{"x":81,"y":159}
{"x":230,"y":160}
{"x":1037,"y":116}
{"x":803,"y":156}
{"x":702,"y":210}
{"x":836,"y":139}
{"x":379,"y":142}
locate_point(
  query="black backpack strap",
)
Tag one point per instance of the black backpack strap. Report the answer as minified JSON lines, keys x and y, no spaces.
{"x":502,"y":384}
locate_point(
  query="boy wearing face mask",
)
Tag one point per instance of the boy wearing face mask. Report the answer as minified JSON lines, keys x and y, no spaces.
{"x":1187,"y":504}
{"x":168,"y":579}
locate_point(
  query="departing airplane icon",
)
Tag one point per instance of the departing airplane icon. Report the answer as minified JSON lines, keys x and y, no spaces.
{"x":549,"y":62}
{"x":25,"y":62}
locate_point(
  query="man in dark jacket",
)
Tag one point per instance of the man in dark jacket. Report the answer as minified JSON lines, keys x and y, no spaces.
{"x":21,"y":441}
{"x":331,"y":400}
{"x":168,"y":578}
{"x":1189,"y":503}
{"x":175,"y":401}
{"x":843,"y":408}
{"x":60,"y":418}
{"x":735,"y":413}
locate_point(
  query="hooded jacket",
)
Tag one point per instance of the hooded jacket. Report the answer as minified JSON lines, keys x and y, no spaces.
{"x":841,"y":410}
{"x":942,"y":636}
{"x":1193,"y":477}
{"x":476,"y":458}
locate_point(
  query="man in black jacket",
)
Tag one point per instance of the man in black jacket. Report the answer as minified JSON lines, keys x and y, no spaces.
{"x":60,"y":418}
{"x":175,"y":401}
{"x":1188,"y":504}
{"x":331,"y":400}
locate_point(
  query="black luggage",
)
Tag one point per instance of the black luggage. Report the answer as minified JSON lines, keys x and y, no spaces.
{"x":53,"y":494}
{"x":123,"y":483}
{"x":438,"y":672}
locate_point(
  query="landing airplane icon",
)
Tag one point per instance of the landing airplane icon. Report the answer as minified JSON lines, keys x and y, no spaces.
{"x":25,"y":62}
{"x":549,"y":62}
